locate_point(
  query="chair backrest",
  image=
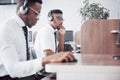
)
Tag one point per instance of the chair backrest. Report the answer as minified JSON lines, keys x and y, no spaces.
{"x":78,"y":38}
{"x":96,"y":37}
{"x":67,"y":47}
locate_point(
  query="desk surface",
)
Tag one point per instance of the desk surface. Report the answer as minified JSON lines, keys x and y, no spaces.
{"x":88,"y":63}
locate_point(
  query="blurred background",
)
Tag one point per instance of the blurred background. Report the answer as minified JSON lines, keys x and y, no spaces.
{"x":70,"y":8}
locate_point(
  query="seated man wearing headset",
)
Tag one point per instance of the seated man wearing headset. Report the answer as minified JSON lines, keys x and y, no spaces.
{"x":45,"y":42}
{"x":15,"y":61}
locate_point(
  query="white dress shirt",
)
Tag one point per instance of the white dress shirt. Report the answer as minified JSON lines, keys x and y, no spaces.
{"x":13,"y":51}
{"x":45,"y":39}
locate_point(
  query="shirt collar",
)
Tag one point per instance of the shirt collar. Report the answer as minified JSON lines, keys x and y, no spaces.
{"x":19,"y":21}
{"x":51,"y":28}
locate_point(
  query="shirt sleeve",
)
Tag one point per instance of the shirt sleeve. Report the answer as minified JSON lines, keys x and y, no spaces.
{"x":16,"y":68}
{"x":47,"y":41}
{"x":44,"y":40}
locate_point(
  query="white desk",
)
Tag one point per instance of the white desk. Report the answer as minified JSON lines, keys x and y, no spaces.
{"x":88,"y":67}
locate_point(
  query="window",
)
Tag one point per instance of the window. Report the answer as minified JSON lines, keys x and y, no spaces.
{"x":6,"y":2}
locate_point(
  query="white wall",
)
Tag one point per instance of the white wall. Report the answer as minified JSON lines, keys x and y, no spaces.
{"x":70,"y":10}
{"x":6,"y":12}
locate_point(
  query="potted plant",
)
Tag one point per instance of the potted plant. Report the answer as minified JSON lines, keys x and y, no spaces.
{"x":93,"y":11}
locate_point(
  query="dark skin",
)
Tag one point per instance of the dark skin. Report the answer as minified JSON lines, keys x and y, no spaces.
{"x":31,"y":19}
{"x":56,"y":23}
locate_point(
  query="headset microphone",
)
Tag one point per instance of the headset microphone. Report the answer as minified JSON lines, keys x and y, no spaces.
{"x":24,"y":8}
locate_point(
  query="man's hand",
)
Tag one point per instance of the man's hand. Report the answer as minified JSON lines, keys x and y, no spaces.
{"x":61,"y":39}
{"x":58,"y":57}
{"x":62,"y":31}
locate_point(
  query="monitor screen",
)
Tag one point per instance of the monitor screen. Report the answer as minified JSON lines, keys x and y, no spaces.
{"x":68,"y":36}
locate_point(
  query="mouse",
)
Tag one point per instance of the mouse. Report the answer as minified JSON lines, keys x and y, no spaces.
{"x":116,"y":57}
{"x":74,"y":60}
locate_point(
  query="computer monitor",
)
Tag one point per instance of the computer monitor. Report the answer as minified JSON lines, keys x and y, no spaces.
{"x":68,"y":36}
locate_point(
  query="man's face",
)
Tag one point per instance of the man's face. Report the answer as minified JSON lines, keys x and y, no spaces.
{"x":33,"y":14}
{"x":58,"y":20}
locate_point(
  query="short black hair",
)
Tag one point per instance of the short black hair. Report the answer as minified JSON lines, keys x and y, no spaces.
{"x":57,"y":11}
{"x":34,"y":1}
{"x":21,"y":2}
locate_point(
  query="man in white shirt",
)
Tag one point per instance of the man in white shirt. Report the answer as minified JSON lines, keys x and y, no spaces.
{"x":45,"y":42}
{"x":13,"y":58}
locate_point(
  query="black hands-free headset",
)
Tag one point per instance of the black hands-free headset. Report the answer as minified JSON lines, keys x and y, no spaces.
{"x":24,"y":8}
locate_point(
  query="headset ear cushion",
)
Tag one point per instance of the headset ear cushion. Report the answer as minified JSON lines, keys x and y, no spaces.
{"x":22,"y":10}
{"x":50,"y":18}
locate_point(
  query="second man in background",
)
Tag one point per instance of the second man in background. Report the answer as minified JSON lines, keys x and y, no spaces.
{"x":45,"y":42}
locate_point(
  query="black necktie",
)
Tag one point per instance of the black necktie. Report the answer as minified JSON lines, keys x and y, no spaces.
{"x":26,"y":38}
{"x":55,"y":35}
